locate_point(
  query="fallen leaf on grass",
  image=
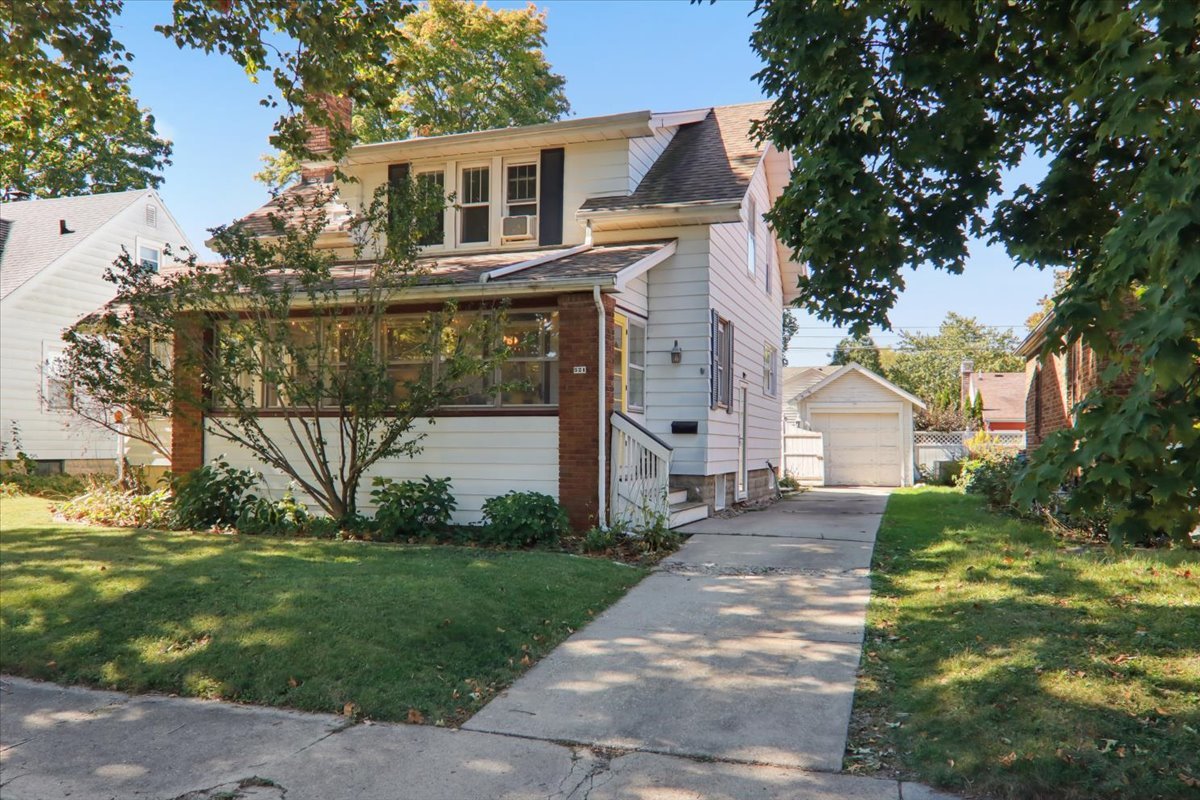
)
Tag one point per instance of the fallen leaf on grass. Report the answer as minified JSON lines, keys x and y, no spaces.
{"x":292,"y":682}
{"x":349,"y":710}
{"x":1008,"y":759}
{"x":415,"y":717}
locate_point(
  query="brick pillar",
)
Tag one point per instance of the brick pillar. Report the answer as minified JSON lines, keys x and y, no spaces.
{"x":578,"y":441}
{"x":187,"y":419}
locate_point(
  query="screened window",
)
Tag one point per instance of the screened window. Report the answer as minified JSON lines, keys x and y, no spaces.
{"x":529,"y":376}
{"x":521,"y":190}
{"x":149,"y":257}
{"x":637,"y":366}
{"x":433,"y":226}
{"x":474,"y":194}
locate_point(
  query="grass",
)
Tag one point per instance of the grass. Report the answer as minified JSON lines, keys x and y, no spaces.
{"x":417,"y":633}
{"x":1000,"y":662}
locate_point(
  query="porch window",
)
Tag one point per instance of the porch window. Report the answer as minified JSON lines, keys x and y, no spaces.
{"x":529,"y":376}
{"x":475,"y":194}
{"x":404,"y":352}
{"x":299,"y":357}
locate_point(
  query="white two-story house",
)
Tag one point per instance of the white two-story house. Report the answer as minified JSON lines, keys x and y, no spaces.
{"x":637,"y":240}
{"x":54,"y":253}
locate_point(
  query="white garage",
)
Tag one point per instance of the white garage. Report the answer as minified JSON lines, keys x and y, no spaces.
{"x":865,"y":422}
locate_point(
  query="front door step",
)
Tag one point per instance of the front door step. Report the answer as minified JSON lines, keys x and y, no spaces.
{"x":684,"y":513}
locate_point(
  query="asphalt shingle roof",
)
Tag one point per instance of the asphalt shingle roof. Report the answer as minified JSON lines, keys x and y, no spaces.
{"x":707,"y":161}
{"x":31,"y":238}
{"x":1003,"y":394}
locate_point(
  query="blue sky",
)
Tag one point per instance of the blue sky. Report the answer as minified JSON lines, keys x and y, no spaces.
{"x":617,"y":55}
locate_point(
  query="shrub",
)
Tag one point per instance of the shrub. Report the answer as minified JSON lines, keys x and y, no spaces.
{"x":412,"y":508}
{"x":106,"y":504}
{"x":521,"y":519}
{"x":788,"y":481}
{"x":991,"y":477}
{"x":658,"y":537}
{"x":261,"y":515}
{"x":323,"y":527}
{"x":598,"y":540}
{"x":56,"y":486}
{"x":211,"y":495}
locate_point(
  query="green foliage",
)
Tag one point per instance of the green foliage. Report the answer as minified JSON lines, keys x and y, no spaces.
{"x":600,"y":540}
{"x":992,"y":476}
{"x":790,"y":328}
{"x":211,"y":495}
{"x":658,"y":538}
{"x":858,"y":350}
{"x":523,"y":519}
{"x":261,"y":515}
{"x":460,"y":67}
{"x":412,"y":508}
{"x":930,"y":365}
{"x":108,"y":504}
{"x":55,"y":486}
{"x":70,"y":123}
{"x":909,"y":113}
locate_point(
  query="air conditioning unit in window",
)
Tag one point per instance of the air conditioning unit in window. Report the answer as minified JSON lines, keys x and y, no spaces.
{"x":515,"y":229}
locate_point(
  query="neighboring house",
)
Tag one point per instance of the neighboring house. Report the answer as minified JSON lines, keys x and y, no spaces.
{"x":1054,"y":387}
{"x":637,"y":240}
{"x":1003,"y":396}
{"x":53,"y":257}
{"x":865,"y":422}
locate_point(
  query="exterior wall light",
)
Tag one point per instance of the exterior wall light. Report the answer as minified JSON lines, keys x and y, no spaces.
{"x":676,"y":353}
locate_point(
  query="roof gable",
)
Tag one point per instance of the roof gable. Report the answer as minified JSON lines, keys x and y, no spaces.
{"x":853,"y":368}
{"x":1003,"y":394}
{"x":33,"y":241}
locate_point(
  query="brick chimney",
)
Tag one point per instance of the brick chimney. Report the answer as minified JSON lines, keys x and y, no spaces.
{"x":964,"y":395}
{"x":319,"y":140}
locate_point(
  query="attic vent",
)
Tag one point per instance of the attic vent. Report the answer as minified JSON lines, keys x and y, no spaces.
{"x":151,"y":215}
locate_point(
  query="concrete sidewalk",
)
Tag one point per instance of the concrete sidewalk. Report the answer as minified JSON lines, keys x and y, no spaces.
{"x":744,"y":648}
{"x":58,"y":742}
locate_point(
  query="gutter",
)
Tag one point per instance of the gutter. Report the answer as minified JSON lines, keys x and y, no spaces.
{"x":500,"y":272}
{"x":601,"y":421}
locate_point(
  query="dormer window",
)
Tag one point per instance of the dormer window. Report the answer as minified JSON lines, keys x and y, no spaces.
{"x":475,"y":204}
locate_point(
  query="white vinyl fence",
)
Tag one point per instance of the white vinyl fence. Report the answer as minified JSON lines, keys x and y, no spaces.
{"x":804,"y":456}
{"x":932,"y":446}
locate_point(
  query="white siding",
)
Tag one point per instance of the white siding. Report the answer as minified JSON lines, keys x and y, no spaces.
{"x":757,"y":316}
{"x":484,"y":456}
{"x":644,"y":151}
{"x":856,"y":393}
{"x":34,"y":316}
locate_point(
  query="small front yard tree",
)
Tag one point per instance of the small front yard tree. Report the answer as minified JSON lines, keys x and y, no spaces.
{"x":286,"y":351}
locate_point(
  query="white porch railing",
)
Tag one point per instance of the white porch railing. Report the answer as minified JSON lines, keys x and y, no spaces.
{"x":641,"y":474}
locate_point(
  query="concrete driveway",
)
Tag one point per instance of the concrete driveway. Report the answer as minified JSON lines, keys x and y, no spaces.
{"x":743,"y":648}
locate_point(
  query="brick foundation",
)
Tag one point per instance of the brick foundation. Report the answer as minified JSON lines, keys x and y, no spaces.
{"x":578,"y":437}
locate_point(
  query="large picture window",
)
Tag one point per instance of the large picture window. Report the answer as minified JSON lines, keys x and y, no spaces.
{"x":528,"y":377}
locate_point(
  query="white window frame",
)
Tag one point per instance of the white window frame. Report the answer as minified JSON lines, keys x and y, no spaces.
{"x":430,"y":169}
{"x":51,"y":357}
{"x":528,"y":161}
{"x":463,"y":168}
{"x":770,"y":370}
{"x":631,"y":323}
{"x":150,"y":244}
{"x":724,"y":345}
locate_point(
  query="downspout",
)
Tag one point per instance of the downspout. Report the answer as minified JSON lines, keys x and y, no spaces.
{"x":601,"y":422}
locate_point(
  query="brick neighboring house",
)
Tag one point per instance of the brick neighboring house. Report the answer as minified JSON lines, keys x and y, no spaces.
{"x":1053,"y":388}
{"x":1003,"y":393}
{"x":636,"y":242}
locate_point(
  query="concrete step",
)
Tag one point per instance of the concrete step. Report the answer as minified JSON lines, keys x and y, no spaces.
{"x":677,"y":496}
{"x":686,"y":513}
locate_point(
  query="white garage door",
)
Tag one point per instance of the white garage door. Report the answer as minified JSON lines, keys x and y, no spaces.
{"x":860,"y":449}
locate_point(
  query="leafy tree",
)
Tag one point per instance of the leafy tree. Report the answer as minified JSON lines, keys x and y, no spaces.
{"x":908,"y":112}
{"x":1046,"y":304}
{"x":70,"y":124}
{"x":466,"y":67}
{"x":790,"y":328}
{"x":858,"y":350}
{"x":237,"y":345}
{"x":930,"y":365}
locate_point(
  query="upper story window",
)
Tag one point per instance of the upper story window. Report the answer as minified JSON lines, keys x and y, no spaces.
{"x":475,"y":202}
{"x":433,"y":229}
{"x":751,"y":237}
{"x":520,"y":202}
{"x":770,"y":370}
{"x":149,"y":257}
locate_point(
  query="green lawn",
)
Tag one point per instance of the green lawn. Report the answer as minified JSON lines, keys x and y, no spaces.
{"x":300,"y":623}
{"x":1000,"y":663}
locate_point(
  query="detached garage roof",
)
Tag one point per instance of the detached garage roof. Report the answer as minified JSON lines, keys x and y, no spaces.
{"x":861,"y":370}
